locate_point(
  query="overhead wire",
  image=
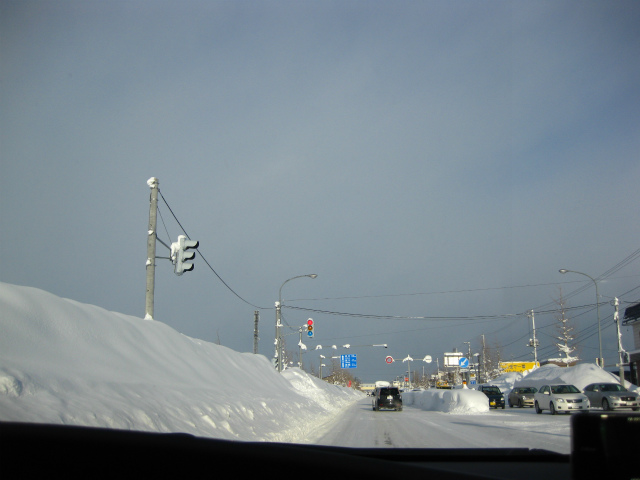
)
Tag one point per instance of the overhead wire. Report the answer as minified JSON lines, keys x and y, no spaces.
{"x":538,"y":310}
{"x":205,"y":260}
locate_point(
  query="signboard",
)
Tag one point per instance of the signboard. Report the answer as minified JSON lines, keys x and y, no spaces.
{"x":464,"y":362}
{"x":452,"y":359}
{"x":389,"y":359}
{"x":518,"y":366}
{"x":348,"y":361}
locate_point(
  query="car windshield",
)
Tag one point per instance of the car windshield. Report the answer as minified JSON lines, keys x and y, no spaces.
{"x":562,"y":389}
{"x":527,"y":390}
{"x":241,"y":219}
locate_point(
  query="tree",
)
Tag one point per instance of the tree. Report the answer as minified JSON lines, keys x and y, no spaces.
{"x":490,"y":359}
{"x":566,"y":335}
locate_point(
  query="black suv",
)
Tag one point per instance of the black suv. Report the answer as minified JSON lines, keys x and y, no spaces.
{"x":387,"y":397}
{"x":496,"y":398}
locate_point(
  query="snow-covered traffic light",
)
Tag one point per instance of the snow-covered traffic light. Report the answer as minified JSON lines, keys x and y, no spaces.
{"x":179,"y":254}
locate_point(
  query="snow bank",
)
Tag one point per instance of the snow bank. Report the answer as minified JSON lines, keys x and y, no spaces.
{"x":63,"y":362}
{"x":580,"y":375}
{"x":458,"y":401}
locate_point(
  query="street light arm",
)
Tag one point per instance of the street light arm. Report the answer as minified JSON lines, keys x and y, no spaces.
{"x":311,"y":275}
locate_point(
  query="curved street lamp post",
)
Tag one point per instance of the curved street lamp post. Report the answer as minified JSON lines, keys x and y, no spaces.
{"x":563,"y":271}
{"x":278,"y":342}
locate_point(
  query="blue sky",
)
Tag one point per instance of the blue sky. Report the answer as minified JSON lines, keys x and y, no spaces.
{"x":425,"y":159}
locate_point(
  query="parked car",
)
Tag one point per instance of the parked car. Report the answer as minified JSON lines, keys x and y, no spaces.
{"x":496,"y":398}
{"x":560,"y":399}
{"x":522,"y":396}
{"x":387,"y":398}
{"x":611,"y":396}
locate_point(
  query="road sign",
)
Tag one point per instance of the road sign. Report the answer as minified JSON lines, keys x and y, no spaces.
{"x":464,"y":362}
{"x":348,"y":361}
{"x":389,"y":359}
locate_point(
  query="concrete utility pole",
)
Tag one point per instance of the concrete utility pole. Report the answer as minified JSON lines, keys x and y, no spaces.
{"x":533,"y":342}
{"x":256,"y":317}
{"x":278,"y":339}
{"x":151,"y":247}
{"x":616,"y":318}
{"x":483,"y":372}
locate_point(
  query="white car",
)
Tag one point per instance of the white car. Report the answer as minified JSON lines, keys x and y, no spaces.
{"x":560,"y":398}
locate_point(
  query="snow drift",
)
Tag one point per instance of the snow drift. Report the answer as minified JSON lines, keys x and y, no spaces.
{"x":458,"y":401}
{"x":63,"y":362}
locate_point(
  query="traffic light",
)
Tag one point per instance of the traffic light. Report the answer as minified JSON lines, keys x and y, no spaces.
{"x":310,"y":328}
{"x":179,"y":254}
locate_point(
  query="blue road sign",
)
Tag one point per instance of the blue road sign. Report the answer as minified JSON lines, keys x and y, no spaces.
{"x":464,"y":362}
{"x":348,"y":361}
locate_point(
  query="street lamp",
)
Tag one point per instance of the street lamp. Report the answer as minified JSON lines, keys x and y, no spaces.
{"x":563,"y":271}
{"x":278,"y":341}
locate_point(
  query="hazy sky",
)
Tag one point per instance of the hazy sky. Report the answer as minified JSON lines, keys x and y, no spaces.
{"x":425,"y":159}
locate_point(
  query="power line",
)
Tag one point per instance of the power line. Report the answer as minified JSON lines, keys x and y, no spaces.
{"x":205,"y":260}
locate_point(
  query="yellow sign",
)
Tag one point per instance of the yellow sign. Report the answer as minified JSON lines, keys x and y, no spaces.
{"x":518,"y":366}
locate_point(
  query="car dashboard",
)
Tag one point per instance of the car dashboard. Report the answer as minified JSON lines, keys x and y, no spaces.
{"x":598,"y":446}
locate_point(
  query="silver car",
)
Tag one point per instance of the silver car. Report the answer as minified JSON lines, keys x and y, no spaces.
{"x":560,"y":399}
{"x":522,"y":396}
{"x":611,"y":396}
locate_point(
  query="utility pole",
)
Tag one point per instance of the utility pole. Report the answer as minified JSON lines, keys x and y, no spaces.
{"x":278,"y":339}
{"x":533,"y":342}
{"x":256,"y":317}
{"x":151,"y":247}
{"x":484,"y":367}
{"x":616,"y":318}
{"x":300,"y":349}
{"x":469,"y":368}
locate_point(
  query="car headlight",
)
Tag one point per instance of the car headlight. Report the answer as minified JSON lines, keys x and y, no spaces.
{"x":560,"y":400}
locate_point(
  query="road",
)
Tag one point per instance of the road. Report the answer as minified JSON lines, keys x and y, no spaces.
{"x":359,"y":426}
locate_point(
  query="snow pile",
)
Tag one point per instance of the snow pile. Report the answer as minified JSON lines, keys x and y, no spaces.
{"x":580,"y":375}
{"x":458,"y":401}
{"x":63,"y":362}
{"x":463,"y":400}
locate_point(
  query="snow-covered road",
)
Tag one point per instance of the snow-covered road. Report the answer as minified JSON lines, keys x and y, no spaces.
{"x":359,"y":426}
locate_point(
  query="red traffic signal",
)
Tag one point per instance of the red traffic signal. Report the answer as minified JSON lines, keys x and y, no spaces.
{"x":310,"y":328}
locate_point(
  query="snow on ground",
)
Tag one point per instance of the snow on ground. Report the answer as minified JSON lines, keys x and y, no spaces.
{"x":63,"y":362}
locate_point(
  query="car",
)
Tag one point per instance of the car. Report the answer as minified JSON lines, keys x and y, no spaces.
{"x":388,"y":398}
{"x":496,"y":398}
{"x":611,"y":396}
{"x":522,"y":396}
{"x":560,"y":398}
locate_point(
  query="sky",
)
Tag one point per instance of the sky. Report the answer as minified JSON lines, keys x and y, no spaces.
{"x":434,"y":163}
